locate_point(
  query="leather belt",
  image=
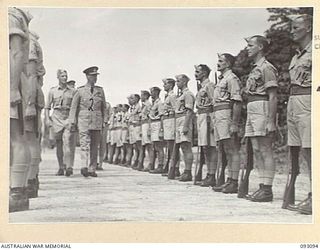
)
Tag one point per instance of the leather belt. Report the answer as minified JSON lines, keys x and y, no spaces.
{"x":178,"y":115}
{"x":157,"y":120}
{"x":222,"y":107}
{"x":145,"y":121}
{"x":254,"y":98}
{"x":298,"y":90}
{"x":205,"y":110}
{"x":169,"y":116}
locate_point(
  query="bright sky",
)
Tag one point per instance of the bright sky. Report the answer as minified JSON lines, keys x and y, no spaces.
{"x":136,"y":48}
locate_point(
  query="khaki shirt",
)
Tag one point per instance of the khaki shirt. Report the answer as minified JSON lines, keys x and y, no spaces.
{"x":118,"y":119}
{"x":301,"y":66}
{"x":60,"y":100}
{"x":262,"y":76}
{"x":134,"y":115}
{"x":145,"y":110}
{"x":18,"y":25}
{"x":91,"y":105}
{"x":169,"y":103}
{"x":125,"y":120}
{"x":185,"y":101}
{"x":227,"y":88}
{"x":204,"y":97}
{"x":156,"y":110}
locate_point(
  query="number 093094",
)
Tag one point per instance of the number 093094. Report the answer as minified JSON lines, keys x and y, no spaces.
{"x":309,"y":246}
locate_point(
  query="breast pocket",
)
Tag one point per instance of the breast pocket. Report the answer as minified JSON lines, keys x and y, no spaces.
{"x":57,"y":102}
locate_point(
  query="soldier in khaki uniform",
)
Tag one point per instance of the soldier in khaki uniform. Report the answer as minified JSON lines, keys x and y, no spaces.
{"x":103,"y":152}
{"x":131,"y":101}
{"x":136,"y":130}
{"x":117,"y":133}
{"x":74,"y":136}
{"x":59,"y":99}
{"x":261,"y":88}
{"x":156,"y":127}
{"x":145,"y":131}
{"x":299,"y":105}
{"x":205,"y":121}
{"x":35,"y":73}
{"x":168,"y":121}
{"x":125,"y":133}
{"x":19,"y":149}
{"x":88,"y":111}
{"x":227,"y":110}
{"x":183,"y":119}
{"x":112,"y":142}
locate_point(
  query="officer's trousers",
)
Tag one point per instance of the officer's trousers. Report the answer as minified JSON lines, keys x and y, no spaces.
{"x":89,"y":142}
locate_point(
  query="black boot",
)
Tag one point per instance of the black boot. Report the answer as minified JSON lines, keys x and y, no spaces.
{"x":221,"y":187}
{"x":265,"y":195}
{"x":18,"y":200}
{"x":209,"y":181}
{"x":69,"y":171}
{"x":186,"y":176}
{"x":32,"y":190}
{"x":158,"y":170}
{"x":232,"y":188}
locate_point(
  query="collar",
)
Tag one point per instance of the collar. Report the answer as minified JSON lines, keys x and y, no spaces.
{"x":185,"y":90}
{"x":260,"y":62}
{"x":156,"y":100}
{"x":306,"y":49}
{"x":205,"y":82}
{"x":61,"y":87}
{"x":227,"y":73}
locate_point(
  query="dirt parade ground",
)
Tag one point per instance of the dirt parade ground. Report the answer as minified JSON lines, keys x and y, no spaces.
{"x":123,"y":194}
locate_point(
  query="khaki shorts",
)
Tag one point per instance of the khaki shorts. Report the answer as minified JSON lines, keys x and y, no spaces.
{"x":136,"y":133}
{"x":125,"y":135}
{"x":180,"y":137}
{"x":112,"y":137}
{"x":257,"y":113}
{"x":131,"y":137}
{"x":155,"y":131}
{"x":202,"y":130}
{"x":168,"y":129}
{"x":145,"y":139}
{"x":299,"y":121}
{"x":222,"y":124}
{"x":117,"y":135}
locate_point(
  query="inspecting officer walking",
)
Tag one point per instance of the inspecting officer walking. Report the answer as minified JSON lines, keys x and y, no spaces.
{"x":91,"y":118}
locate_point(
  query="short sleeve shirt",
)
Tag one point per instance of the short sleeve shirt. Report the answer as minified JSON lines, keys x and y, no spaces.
{"x":301,"y":66}
{"x":169,"y":103}
{"x":263,"y":76}
{"x":227,"y":88}
{"x":35,"y":54}
{"x":135,"y":114}
{"x":60,"y":98}
{"x":204,"y":97}
{"x":185,"y":101}
{"x":145,"y":110}
{"x":156,"y":110}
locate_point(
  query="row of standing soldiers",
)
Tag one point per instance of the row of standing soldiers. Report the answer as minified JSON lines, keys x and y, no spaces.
{"x":172,"y":124}
{"x":153,"y":125}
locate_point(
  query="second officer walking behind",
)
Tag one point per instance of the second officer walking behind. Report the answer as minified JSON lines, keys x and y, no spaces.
{"x":88,"y":111}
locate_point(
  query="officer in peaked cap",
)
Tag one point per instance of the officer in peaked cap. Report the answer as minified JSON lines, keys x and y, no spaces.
{"x":91,"y":118}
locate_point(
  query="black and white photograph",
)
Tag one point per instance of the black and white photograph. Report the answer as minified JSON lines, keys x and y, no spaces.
{"x":160,"y":115}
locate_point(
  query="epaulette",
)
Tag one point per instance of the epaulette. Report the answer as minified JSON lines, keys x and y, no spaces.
{"x":81,"y":86}
{"x":99,"y":87}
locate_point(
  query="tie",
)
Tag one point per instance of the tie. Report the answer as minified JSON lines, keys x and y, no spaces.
{"x":91,"y":90}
